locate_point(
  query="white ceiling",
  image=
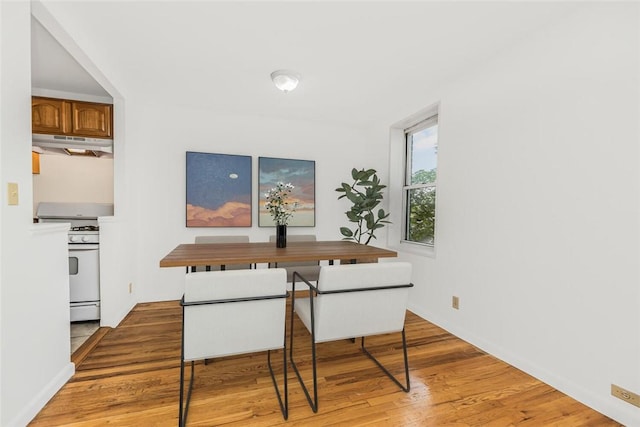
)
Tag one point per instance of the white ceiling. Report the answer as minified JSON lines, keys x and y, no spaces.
{"x":361,"y":62}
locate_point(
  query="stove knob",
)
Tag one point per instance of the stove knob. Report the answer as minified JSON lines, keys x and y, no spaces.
{"x":85,"y":238}
{"x":73,"y":239}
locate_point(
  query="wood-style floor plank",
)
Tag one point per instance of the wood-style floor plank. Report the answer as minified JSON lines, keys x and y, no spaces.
{"x":131,"y":378}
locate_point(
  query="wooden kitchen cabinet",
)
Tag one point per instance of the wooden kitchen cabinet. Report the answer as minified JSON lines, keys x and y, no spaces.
{"x":50,"y":116}
{"x":75,"y":118}
{"x":90,"y":119}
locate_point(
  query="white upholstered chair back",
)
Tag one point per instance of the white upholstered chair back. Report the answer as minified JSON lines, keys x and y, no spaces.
{"x":357,"y":314}
{"x":223,"y":329}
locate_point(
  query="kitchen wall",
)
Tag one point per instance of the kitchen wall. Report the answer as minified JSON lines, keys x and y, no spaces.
{"x":65,"y":178}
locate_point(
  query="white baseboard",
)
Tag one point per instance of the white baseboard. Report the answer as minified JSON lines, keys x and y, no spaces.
{"x":36,"y":404}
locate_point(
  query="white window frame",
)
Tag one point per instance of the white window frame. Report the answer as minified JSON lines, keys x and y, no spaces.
{"x":406,"y":187}
{"x":397,"y":176}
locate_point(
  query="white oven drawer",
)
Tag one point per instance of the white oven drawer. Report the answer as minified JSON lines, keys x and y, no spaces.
{"x":85,"y":311}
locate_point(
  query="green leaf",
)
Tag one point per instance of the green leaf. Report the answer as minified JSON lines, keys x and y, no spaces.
{"x":354,"y":173}
{"x":354,"y":217}
{"x":355,"y":198}
{"x":346,"y":232}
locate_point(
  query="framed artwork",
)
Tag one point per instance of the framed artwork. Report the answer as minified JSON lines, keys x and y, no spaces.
{"x":302,"y":175}
{"x":218,"y":190}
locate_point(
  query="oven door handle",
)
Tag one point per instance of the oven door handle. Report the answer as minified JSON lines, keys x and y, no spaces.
{"x":84,"y":247}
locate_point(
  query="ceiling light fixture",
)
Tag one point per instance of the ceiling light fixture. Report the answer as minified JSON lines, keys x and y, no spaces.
{"x":285,"y":80}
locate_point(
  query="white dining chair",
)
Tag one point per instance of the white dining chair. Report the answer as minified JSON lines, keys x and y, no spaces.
{"x":226,"y":313}
{"x":353,"y":300}
{"x":222,"y":239}
{"x":309,"y":269}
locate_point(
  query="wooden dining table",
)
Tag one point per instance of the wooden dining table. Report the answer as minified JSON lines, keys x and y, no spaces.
{"x":198,"y":254}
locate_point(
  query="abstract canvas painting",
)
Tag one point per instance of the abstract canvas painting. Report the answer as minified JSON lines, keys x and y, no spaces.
{"x":218,"y":190}
{"x":300,"y":173}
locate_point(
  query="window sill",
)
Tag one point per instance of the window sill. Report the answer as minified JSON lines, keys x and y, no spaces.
{"x":416,"y":249}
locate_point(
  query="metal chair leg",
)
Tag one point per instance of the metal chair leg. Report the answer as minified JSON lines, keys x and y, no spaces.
{"x":284,"y":407}
{"x":184,"y":409}
{"x":406,"y":387}
{"x":313,"y":401}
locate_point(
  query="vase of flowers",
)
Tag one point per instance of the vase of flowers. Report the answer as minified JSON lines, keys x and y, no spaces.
{"x":281,"y":210}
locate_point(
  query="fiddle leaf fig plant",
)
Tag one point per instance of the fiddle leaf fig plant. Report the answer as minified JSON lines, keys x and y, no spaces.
{"x":365,"y":194}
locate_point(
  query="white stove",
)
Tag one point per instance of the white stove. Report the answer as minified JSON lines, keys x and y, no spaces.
{"x":84,"y":252}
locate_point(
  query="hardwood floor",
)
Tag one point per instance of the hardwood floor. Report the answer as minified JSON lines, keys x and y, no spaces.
{"x":131,"y":378}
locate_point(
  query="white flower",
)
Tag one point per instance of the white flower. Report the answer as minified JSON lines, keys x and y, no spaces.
{"x":277,"y":203}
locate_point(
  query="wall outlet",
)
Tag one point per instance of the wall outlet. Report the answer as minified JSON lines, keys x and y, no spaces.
{"x":455,"y":302}
{"x":130,"y":287}
{"x":625,"y":395}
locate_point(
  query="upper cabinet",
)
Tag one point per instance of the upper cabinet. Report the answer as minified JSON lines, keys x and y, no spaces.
{"x":51,"y":116}
{"x":75,"y":118}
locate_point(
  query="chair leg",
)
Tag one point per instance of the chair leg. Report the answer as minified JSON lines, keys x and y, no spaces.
{"x":313,"y":402}
{"x":406,"y":387}
{"x":184,"y":409}
{"x":284,"y":407}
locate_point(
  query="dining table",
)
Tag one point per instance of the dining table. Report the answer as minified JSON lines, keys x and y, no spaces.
{"x":203,"y":254}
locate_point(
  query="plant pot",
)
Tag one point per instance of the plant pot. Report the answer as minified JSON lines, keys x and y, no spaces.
{"x":281,"y":236}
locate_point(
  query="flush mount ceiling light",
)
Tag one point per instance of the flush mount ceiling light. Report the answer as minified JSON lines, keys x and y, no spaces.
{"x":285,"y":80}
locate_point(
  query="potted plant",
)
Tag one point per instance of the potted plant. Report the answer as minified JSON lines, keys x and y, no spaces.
{"x":365,"y":193}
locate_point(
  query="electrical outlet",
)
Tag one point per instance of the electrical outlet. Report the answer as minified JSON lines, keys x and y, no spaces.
{"x":130,"y":287}
{"x":625,"y":395}
{"x":455,"y":302}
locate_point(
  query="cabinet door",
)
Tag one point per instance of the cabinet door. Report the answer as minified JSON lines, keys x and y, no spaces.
{"x":90,"y":119}
{"x":50,"y":116}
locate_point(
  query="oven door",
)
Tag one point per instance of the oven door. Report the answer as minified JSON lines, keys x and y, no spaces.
{"x":84,"y":281}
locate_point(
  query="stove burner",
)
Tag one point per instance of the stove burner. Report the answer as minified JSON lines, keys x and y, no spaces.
{"x":86,"y":228}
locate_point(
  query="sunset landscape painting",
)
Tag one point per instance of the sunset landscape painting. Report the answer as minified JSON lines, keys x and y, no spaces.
{"x":218,"y":190}
{"x":302,"y":175}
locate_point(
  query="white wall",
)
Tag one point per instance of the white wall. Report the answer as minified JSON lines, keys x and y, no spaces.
{"x":542,"y":253}
{"x":80,"y":179}
{"x":537,"y":222}
{"x":160,"y":180}
{"x":34,"y":285}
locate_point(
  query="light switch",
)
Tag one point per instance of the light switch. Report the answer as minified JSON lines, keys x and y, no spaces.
{"x":12,"y":192}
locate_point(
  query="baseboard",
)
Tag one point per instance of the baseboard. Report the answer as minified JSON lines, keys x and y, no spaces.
{"x":36,"y":404}
{"x":606,"y":404}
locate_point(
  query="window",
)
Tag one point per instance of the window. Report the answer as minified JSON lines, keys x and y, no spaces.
{"x":419,"y":189}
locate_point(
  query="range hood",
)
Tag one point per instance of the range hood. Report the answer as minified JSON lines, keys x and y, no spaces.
{"x":66,"y":144}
